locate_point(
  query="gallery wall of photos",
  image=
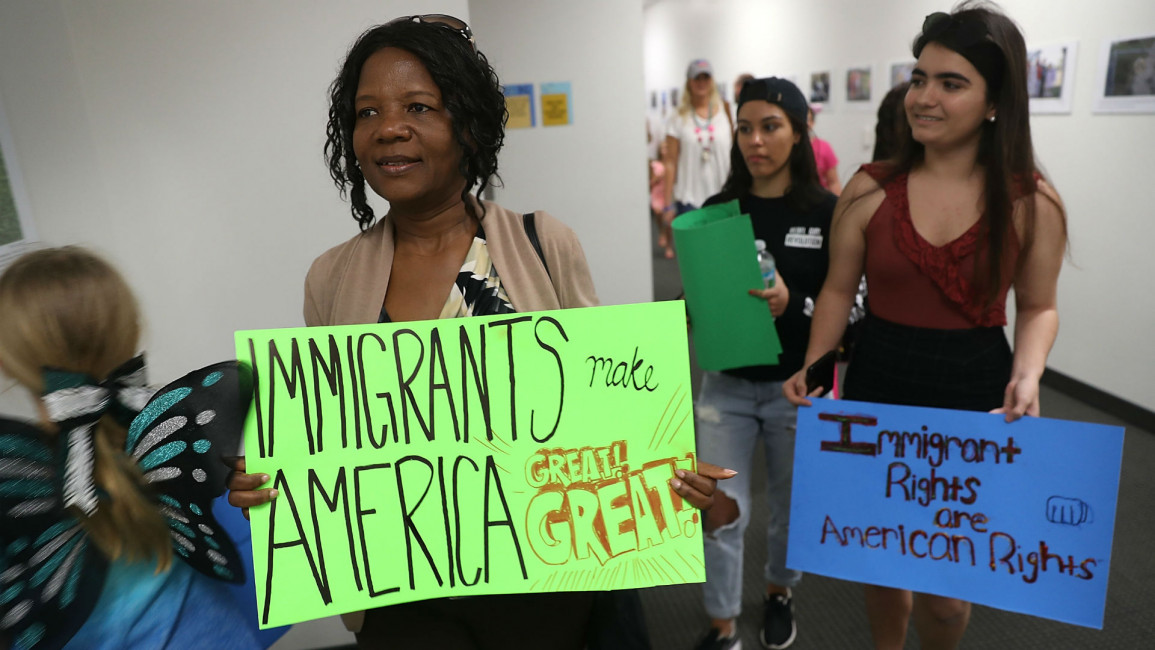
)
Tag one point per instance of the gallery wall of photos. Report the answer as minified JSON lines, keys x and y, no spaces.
{"x":1124,"y":83}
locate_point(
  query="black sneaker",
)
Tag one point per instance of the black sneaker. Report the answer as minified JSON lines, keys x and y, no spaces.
{"x":778,"y":628}
{"x":715,"y":641}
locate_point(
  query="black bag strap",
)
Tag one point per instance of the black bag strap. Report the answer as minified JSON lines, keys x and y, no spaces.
{"x":531,"y":232}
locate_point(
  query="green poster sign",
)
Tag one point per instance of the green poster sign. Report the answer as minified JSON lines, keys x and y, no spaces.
{"x":718,"y":264}
{"x":501,"y":454}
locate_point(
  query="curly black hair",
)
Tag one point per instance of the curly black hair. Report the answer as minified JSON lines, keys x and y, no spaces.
{"x":469,"y":88}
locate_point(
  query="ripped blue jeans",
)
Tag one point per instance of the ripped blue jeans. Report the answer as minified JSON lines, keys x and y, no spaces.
{"x":732,"y":416}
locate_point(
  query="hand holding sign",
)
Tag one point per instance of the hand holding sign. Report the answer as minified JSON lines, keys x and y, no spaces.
{"x":698,"y":487}
{"x":1021,"y":398}
{"x":244,"y":489}
{"x":796,"y":390}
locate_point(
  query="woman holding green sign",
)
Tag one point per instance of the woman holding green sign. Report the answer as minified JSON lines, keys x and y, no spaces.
{"x":775,"y":180}
{"x":417,"y":115}
{"x":942,"y":232}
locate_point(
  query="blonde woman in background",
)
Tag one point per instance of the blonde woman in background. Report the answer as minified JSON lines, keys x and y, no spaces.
{"x":698,"y":140}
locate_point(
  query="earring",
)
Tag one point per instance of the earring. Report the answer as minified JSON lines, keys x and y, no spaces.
{"x":991,"y":118}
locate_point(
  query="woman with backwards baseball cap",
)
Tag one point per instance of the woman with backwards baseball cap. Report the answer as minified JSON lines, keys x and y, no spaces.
{"x":774,"y":178}
{"x":698,"y":139}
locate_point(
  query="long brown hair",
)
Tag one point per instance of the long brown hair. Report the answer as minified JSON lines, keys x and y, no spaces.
{"x":994,"y":45}
{"x":66,"y":308}
{"x":892,"y":125}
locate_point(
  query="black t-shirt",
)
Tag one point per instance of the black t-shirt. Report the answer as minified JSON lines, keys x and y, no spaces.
{"x":799,"y":240}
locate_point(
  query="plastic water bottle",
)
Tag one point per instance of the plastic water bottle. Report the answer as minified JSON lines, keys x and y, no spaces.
{"x":765,"y":263}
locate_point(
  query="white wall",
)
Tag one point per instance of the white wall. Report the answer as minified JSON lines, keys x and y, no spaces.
{"x":183,"y":140}
{"x":1100,"y":163}
{"x":591,"y":174}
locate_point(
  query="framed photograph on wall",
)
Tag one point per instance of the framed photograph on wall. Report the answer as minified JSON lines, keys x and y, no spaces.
{"x":859,"y":84}
{"x":16,"y":232}
{"x":1126,"y":76}
{"x":820,"y":87}
{"x":1051,"y":77}
{"x":900,"y":72}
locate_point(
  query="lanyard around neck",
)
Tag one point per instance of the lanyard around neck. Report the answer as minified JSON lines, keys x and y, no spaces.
{"x":709,"y":128}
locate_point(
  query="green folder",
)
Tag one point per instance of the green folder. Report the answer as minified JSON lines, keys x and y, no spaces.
{"x":718,"y":264}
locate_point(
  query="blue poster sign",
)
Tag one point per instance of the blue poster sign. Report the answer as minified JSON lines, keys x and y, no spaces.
{"x":1018,"y":516}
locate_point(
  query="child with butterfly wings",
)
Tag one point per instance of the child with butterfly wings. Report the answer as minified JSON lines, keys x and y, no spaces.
{"x":108,"y":538}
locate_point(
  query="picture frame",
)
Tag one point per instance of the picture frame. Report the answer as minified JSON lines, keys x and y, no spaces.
{"x":1125,"y":82}
{"x":900,"y":72}
{"x":860,"y":87}
{"x":819,"y":87}
{"x":1051,"y":77}
{"x":17,"y":232}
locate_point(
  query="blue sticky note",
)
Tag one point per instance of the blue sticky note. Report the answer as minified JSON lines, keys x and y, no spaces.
{"x":1017,"y":516}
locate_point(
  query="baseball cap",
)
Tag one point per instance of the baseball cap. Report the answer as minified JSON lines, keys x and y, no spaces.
{"x":699,"y":66}
{"x":776,"y":91}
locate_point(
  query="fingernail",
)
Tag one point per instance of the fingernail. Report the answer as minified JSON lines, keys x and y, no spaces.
{"x":676,"y":484}
{"x":273,"y":494}
{"x":729,"y":472}
{"x":265,"y":478}
{"x":680,"y":473}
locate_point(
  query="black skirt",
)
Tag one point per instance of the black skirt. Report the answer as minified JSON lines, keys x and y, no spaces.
{"x":964,"y":369}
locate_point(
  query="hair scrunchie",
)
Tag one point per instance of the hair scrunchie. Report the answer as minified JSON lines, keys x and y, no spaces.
{"x":75,"y":402}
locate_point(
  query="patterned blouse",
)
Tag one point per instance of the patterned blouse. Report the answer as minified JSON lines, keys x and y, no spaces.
{"x":477,"y":290}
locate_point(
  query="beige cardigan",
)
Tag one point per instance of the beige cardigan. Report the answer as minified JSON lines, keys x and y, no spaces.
{"x":346,"y":285}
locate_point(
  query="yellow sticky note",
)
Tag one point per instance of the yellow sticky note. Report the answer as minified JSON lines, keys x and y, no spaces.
{"x":556,"y":104}
{"x":554,"y":110}
{"x":519,"y":112}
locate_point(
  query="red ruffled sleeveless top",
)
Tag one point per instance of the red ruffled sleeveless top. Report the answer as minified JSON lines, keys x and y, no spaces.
{"x":912,"y":282}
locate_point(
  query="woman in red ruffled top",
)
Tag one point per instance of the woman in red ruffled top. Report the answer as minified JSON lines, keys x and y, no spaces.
{"x":942,"y":232}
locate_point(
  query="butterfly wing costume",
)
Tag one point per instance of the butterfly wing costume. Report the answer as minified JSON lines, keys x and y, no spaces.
{"x":51,"y":574}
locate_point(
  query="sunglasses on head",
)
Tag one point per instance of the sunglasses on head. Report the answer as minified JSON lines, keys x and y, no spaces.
{"x":442,"y":20}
